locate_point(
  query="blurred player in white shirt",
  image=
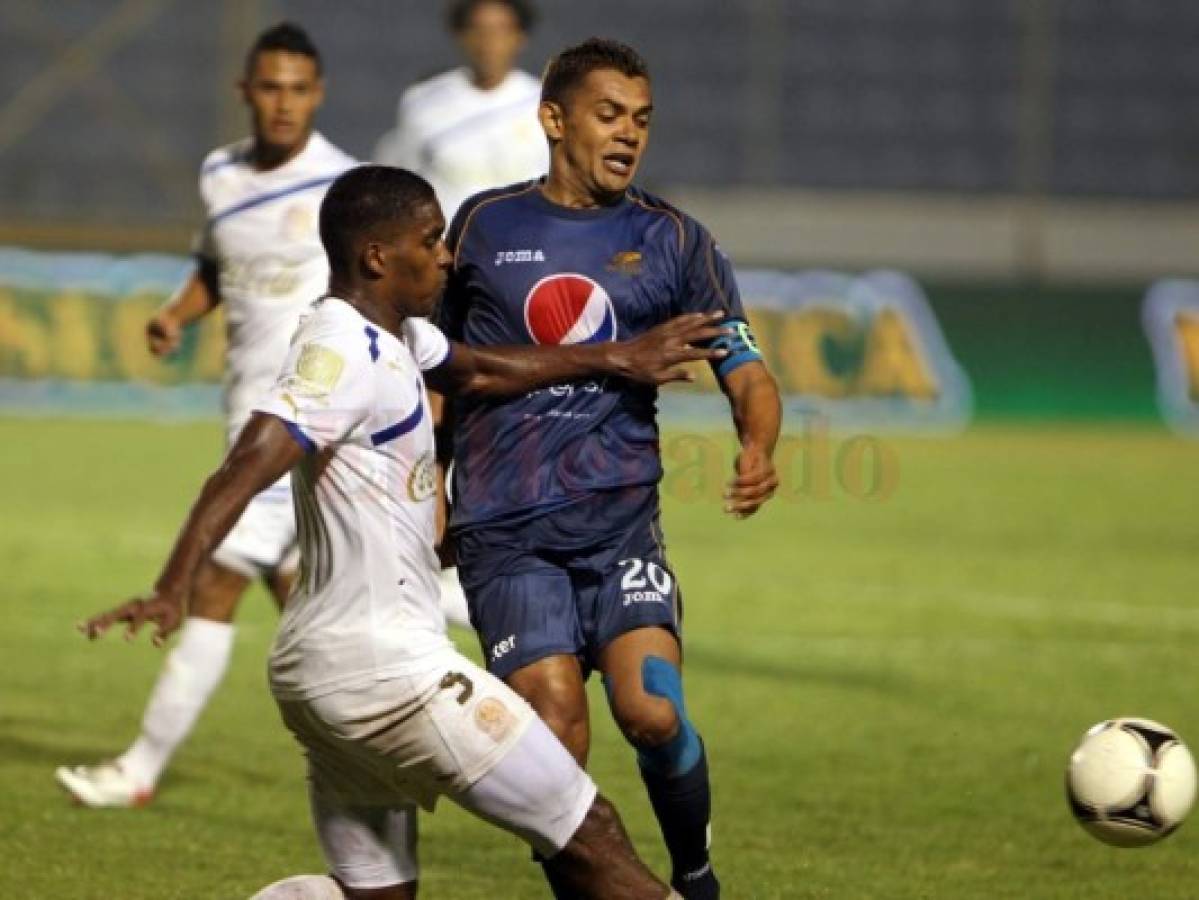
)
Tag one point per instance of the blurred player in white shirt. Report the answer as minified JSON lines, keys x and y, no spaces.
{"x":470,"y":129}
{"x":389,"y":714}
{"x":474,"y":127}
{"x":259,"y":256}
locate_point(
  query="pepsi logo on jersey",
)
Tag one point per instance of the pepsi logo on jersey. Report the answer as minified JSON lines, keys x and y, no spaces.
{"x":569,"y":308}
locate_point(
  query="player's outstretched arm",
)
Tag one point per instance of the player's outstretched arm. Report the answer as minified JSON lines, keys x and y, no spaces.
{"x":757,"y":414}
{"x":657,"y":356}
{"x":197,"y":297}
{"x":264,"y":451}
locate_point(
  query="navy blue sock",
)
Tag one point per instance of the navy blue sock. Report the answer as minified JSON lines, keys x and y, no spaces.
{"x":683,"y":806}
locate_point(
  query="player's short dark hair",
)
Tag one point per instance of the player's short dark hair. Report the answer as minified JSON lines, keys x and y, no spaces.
{"x":567,"y":69}
{"x":288,"y":37}
{"x":460,"y":11}
{"x":364,"y":198}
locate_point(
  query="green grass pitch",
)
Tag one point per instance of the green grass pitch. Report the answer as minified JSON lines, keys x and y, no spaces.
{"x":888,"y":689}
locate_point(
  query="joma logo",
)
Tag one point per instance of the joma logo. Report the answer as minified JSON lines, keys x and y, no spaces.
{"x":504,"y":257}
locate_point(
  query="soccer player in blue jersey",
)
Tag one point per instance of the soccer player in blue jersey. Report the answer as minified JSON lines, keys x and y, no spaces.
{"x":557,"y":515}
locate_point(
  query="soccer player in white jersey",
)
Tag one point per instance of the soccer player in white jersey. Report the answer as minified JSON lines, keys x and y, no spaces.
{"x":473,"y":127}
{"x":259,"y":256}
{"x":389,"y":714}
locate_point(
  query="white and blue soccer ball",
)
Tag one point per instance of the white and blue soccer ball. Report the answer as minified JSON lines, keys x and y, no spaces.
{"x":1130,"y":781}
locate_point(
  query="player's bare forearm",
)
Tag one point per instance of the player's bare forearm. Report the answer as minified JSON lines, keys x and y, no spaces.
{"x":511,"y":370}
{"x":756,"y":407}
{"x":196,"y":298}
{"x":657,"y":356}
{"x":263,"y":453}
{"x":757,"y":415}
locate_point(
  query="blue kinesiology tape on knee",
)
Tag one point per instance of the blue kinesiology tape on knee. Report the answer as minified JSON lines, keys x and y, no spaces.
{"x":679,"y":755}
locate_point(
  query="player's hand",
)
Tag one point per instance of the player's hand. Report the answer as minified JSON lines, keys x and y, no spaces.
{"x":163,"y":334}
{"x":753,"y":484}
{"x":658,"y":356}
{"x":166,"y":612}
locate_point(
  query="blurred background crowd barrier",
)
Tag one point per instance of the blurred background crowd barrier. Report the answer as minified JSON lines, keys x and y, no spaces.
{"x":1033,"y":164}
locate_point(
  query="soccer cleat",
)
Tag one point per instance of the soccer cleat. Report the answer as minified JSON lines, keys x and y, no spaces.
{"x":105,"y":785}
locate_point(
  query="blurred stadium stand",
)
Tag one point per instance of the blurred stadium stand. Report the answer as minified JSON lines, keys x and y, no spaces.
{"x":1049,"y":139}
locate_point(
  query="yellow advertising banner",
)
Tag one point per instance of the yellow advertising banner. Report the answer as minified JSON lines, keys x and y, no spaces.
{"x":860,"y":349}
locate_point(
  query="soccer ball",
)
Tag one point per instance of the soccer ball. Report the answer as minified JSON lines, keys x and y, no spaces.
{"x":1130,"y":782}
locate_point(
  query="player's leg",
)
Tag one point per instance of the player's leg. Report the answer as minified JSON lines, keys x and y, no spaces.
{"x":529,"y":631}
{"x":453,"y":729}
{"x":362,"y":841}
{"x":600,"y":854}
{"x":367,"y":833}
{"x":190,"y":674}
{"x":263,"y":541}
{"x":193,"y":670}
{"x":644,"y":682}
{"x":529,"y":628}
{"x":537,"y":791}
{"x":555,"y":688}
{"x":640,"y":657}
{"x":371,"y":850}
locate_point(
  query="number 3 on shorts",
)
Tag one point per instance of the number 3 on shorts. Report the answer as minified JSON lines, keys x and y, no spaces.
{"x":457,"y":679}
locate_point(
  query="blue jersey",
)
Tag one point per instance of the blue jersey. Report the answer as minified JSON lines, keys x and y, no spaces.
{"x":529,"y":271}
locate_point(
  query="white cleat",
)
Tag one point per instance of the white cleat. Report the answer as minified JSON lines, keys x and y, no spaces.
{"x":105,"y":785}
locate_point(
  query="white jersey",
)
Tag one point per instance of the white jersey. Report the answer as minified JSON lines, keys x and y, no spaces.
{"x":261,"y":233}
{"x":464,"y":140}
{"x":365,"y":607}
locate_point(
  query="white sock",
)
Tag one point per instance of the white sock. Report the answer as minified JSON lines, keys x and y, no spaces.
{"x":301,"y":887}
{"x":190,"y":674}
{"x":453,"y":600}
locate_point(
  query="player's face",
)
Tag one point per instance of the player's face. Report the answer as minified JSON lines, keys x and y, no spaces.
{"x":419,"y":262}
{"x":601,"y":131}
{"x":491,"y":41}
{"x":283,"y":91}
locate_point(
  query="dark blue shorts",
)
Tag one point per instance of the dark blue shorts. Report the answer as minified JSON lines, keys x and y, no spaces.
{"x":530,"y":603}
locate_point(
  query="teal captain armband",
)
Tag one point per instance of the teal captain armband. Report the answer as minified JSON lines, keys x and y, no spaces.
{"x":741,"y":346}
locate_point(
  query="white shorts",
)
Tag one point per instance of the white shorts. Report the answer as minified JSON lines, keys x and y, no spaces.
{"x":264,"y":539}
{"x":378,"y":753}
